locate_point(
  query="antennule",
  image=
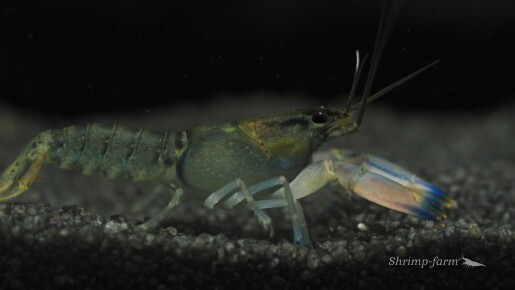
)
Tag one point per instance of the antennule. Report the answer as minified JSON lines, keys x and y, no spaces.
{"x":355,"y":81}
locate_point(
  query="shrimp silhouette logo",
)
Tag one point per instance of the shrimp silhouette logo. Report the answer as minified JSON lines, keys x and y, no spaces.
{"x":469,"y":263}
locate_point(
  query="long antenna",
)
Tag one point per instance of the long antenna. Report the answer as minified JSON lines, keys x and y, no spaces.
{"x":388,"y":16}
{"x":384,"y":91}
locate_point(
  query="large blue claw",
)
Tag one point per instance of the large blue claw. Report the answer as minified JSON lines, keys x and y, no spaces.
{"x":389,"y":184}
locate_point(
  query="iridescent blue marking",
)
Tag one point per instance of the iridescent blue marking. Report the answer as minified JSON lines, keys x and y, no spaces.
{"x":422,"y":213}
{"x":427,"y":186}
{"x":430,"y":208}
{"x":434,"y":189}
{"x":386,"y":169}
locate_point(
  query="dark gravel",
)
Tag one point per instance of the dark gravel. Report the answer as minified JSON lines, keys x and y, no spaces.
{"x":73,"y":231}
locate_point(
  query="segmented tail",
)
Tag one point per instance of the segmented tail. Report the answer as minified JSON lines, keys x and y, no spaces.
{"x":18,"y":177}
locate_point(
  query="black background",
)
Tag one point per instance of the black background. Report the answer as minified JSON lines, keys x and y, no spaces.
{"x":76,"y":57}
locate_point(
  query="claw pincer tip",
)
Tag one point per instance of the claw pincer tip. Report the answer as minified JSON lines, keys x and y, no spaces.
{"x":433,"y":204}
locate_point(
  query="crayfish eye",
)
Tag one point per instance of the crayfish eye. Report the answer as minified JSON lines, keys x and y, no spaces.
{"x":320,"y":117}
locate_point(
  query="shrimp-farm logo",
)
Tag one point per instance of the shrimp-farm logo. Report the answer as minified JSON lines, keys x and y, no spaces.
{"x":436,"y":261}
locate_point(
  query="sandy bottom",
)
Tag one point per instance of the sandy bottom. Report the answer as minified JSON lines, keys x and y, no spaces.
{"x":79,"y":231}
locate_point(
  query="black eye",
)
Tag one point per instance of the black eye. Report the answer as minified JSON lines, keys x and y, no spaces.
{"x":320,"y":117}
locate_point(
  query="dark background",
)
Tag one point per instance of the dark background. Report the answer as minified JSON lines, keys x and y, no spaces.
{"x":75,"y":57}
